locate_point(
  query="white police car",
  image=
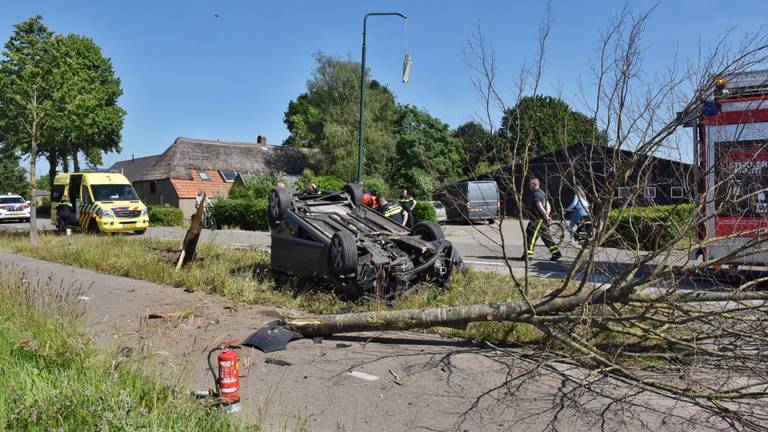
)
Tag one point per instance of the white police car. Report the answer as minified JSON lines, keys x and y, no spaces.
{"x":14,"y":207}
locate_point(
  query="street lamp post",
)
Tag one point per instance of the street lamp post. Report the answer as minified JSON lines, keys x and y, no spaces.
{"x":406,"y":70}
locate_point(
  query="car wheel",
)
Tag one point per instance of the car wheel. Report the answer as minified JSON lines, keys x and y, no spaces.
{"x":342,"y":253}
{"x":355,"y":192}
{"x":428,"y":231}
{"x":93,"y":228}
{"x":279,"y":201}
{"x":557,"y":232}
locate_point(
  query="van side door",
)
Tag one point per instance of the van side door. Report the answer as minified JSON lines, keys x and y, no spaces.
{"x":87,"y":207}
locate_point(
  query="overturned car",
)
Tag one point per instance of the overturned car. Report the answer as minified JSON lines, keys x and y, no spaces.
{"x":332,"y":236}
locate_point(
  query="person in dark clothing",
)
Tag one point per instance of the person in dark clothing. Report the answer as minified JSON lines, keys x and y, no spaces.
{"x":393,"y":211}
{"x":407,"y":202}
{"x":537,"y":210}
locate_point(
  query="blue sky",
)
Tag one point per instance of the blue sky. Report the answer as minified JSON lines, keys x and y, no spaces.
{"x":186,"y":72}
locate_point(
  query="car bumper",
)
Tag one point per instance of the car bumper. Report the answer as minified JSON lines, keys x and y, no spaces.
{"x":121,"y":225}
{"x":14,"y":216}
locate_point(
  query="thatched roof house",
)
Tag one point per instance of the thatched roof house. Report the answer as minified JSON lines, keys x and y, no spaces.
{"x":135,"y":167}
{"x":192,"y":165}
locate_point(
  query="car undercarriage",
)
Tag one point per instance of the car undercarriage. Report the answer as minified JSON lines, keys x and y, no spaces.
{"x":331,"y":235}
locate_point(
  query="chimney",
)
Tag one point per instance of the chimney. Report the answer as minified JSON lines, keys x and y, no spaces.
{"x":261,"y":139}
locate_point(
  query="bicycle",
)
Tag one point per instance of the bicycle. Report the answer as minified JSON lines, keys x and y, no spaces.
{"x":208,"y":221}
{"x":583,"y":235}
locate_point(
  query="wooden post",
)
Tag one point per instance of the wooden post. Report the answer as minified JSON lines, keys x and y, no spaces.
{"x":189,"y":246}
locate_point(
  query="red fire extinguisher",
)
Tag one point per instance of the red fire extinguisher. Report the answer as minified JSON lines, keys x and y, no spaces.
{"x":228,"y":380}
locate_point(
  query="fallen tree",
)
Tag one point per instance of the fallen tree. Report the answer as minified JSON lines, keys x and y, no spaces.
{"x":547,"y":311}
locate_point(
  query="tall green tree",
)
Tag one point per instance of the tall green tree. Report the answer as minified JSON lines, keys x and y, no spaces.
{"x":13,"y":178}
{"x":546,"y":123}
{"x":26,"y":95}
{"x":480,"y":148}
{"x":86,"y":88}
{"x":427,"y":154}
{"x":58,"y":99}
{"x":326,"y":117}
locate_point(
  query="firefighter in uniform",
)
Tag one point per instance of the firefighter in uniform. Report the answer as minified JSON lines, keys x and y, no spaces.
{"x":393,"y":211}
{"x":538,"y":210}
{"x":407,"y":202}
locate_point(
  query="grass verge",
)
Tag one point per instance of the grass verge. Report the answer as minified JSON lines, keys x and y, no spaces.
{"x":244,"y":276}
{"x":52,"y":378}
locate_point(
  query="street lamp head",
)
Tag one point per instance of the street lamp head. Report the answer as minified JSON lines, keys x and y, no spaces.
{"x":407,"y":63}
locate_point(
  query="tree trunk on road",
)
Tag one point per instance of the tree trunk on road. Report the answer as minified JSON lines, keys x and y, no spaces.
{"x":516,"y":311}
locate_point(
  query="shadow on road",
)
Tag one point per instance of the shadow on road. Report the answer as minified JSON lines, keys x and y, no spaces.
{"x":605,"y":272}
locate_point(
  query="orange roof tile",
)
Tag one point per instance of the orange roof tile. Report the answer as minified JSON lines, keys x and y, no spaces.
{"x":216,"y":187}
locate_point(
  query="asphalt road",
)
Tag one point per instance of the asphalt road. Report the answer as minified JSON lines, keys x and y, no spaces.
{"x":444,"y":384}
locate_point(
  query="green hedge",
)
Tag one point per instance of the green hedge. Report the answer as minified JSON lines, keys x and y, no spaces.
{"x":258,"y":187}
{"x":324,"y":182}
{"x":243,"y":213}
{"x":648,"y":228}
{"x":165,"y":216}
{"x":423,"y":211}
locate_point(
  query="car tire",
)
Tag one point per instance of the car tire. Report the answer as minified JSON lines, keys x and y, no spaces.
{"x":93,"y":228}
{"x":428,"y":231}
{"x":342,"y":253}
{"x":557,"y":232}
{"x":355,"y":192}
{"x":279,"y":202}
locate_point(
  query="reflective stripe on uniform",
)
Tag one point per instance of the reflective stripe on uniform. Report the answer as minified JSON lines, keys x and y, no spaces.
{"x":534,"y":236}
{"x":393,"y":210}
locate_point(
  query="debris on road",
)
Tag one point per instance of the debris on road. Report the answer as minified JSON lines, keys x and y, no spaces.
{"x":395,"y":377}
{"x":343,"y":345}
{"x":272,"y":337}
{"x":276,"y":362}
{"x":363,"y":376}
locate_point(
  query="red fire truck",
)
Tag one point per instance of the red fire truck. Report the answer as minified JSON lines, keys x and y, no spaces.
{"x":731,"y":153}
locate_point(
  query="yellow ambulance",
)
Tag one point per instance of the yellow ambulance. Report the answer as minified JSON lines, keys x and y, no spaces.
{"x":97,"y":202}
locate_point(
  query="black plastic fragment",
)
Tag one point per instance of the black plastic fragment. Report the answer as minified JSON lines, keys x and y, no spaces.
{"x":272,"y":337}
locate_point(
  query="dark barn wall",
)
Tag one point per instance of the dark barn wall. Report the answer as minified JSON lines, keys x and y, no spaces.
{"x":164,"y":193}
{"x":586,"y":166}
